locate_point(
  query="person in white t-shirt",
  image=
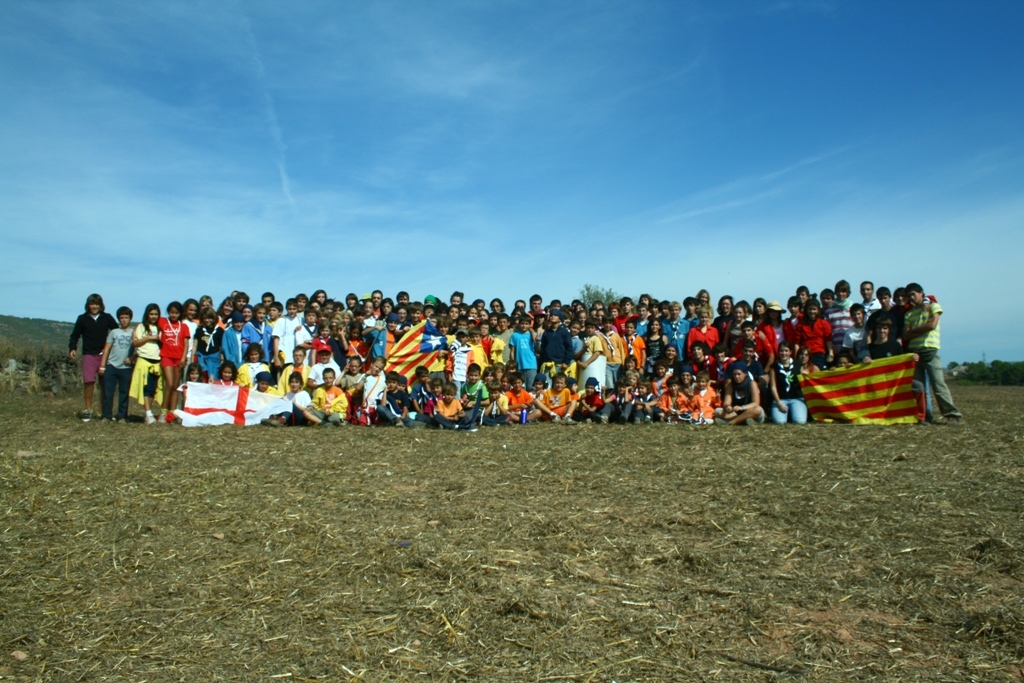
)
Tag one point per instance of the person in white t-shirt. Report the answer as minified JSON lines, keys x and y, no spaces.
{"x":301,"y":413}
{"x":324,"y":360}
{"x":284,"y":333}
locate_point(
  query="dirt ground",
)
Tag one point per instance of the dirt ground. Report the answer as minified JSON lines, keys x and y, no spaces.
{"x":539,"y":553}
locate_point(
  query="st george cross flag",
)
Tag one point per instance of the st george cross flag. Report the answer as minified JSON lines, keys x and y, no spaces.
{"x":210,"y":404}
{"x":876,"y":393}
{"x":421,"y":345}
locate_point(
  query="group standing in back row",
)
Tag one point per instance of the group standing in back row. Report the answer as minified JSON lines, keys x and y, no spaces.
{"x":624,"y":361}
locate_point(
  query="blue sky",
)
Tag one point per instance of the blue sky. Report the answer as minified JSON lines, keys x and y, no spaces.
{"x":155,"y":151}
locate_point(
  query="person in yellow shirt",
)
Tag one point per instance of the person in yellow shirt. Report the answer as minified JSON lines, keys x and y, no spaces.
{"x":480,"y":356}
{"x":330,"y":404}
{"x":252,"y":366}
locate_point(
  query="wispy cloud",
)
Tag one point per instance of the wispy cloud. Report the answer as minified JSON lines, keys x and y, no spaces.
{"x":269,"y":111}
{"x":741,"y":192}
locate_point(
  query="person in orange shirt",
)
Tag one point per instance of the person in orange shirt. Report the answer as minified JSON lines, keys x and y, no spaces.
{"x":555,"y":404}
{"x":704,"y":400}
{"x":449,"y":413}
{"x":674,"y":405}
{"x":519,"y":396}
{"x":634,"y":344}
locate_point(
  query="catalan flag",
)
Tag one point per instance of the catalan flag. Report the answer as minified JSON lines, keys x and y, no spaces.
{"x":876,"y":393}
{"x":421,"y":345}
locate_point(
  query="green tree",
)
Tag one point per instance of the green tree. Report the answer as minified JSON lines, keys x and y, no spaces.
{"x":590,"y":293}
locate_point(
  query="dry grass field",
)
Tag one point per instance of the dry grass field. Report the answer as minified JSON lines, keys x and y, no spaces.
{"x":544,"y":553}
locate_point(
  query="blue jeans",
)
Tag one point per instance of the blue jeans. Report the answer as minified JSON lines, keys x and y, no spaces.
{"x":120,"y":380}
{"x":797,"y":412}
{"x":611,"y":374}
{"x":528,"y":376}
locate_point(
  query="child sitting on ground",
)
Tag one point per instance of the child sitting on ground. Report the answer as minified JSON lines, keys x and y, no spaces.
{"x":397,"y":406}
{"x":330,"y":405}
{"x":556,"y":403}
{"x":645,"y":402}
{"x":302,"y":406}
{"x":674,"y":405}
{"x":704,"y":401}
{"x":497,"y":412}
{"x":449,"y":414}
{"x":591,"y":404}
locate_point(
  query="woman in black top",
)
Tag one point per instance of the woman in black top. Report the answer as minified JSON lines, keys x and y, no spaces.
{"x":92,"y":328}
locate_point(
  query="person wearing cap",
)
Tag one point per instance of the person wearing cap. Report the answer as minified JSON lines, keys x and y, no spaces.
{"x":556,"y":354}
{"x":773,"y":319}
{"x":540,"y":383}
{"x":264,"y":380}
{"x":324,"y":360}
{"x":591,"y":406}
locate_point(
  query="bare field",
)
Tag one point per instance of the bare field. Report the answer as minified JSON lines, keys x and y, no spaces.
{"x":544,"y":553}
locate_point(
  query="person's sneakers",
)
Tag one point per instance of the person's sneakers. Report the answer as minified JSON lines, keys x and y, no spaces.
{"x":721,"y":422}
{"x":556,"y":418}
{"x":648,"y":420}
{"x":272,"y":422}
{"x":924,"y":423}
{"x":569,"y":421}
{"x":953,"y":420}
{"x":150,"y":418}
{"x":604,"y":419}
{"x":750,"y":422}
{"x":85,"y":415}
{"x":399,"y":423}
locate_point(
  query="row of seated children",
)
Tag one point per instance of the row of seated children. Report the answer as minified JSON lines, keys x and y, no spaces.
{"x":432,"y":401}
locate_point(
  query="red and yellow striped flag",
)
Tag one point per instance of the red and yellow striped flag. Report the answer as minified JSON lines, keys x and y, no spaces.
{"x":421,"y":345}
{"x":877,"y":393}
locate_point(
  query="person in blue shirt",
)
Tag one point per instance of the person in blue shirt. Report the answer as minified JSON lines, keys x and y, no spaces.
{"x":522,"y":347}
{"x":556,"y":353}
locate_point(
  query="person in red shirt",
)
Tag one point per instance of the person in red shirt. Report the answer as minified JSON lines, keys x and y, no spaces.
{"x":762,"y":348}
{"x":815,"y":334}
{"x":624,"y":315}
{"x":591,"y":404}
{"x":704,"y":333}
{"x":175,"y":338}
{"x":791,"y":323}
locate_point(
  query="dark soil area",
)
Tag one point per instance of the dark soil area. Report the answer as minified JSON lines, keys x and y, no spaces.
{"x":539,"y":553}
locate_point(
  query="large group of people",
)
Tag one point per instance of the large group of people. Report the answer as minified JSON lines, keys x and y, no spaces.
{"x":626,"y":361}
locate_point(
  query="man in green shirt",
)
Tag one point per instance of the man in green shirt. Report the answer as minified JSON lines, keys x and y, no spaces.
{"x":921,"y":332}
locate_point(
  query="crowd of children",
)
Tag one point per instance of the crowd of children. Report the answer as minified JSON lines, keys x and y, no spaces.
{"x":624,"y":361}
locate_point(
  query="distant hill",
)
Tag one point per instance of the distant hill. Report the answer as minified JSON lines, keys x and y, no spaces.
{"x":36,"y":332}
